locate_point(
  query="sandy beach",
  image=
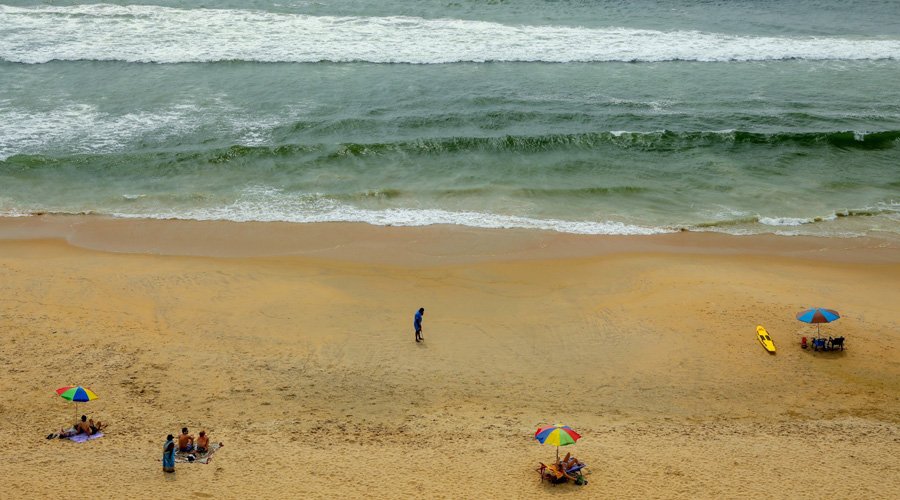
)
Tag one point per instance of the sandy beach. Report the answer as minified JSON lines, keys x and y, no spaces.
{"x":293,"y":345}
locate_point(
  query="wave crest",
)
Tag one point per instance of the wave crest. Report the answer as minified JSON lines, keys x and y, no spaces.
{"x":152,"y":34}
{"x":776,"y":221}
{"x":661,"y":141}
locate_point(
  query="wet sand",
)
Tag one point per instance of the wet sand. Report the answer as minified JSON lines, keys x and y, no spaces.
{"x":293,"y":344}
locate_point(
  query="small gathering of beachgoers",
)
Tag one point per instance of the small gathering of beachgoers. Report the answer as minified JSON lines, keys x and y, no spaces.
{"x":624,"y":371}
{"x":185,"y":448}
{"x":450,"y":249}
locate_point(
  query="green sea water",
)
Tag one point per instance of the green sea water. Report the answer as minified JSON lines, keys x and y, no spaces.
{"x":587,"y":117}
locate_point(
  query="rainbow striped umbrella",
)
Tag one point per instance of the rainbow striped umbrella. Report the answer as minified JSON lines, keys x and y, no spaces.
{"x":76,"y":394}
{"x":557,"y":435}
{"x":818,"y":315}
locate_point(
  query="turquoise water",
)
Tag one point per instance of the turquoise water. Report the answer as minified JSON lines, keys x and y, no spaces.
{"x":581,"y":116}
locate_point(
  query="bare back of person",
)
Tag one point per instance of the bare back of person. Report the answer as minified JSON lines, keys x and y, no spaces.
{"x":185,"y":441}
{"x":202,"y":442}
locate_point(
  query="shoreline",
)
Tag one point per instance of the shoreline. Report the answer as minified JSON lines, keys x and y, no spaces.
{"x":420,"y":245}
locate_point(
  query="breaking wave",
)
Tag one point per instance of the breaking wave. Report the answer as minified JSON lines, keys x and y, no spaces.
{"x":152,"y":34}
{"x":661,"y":141}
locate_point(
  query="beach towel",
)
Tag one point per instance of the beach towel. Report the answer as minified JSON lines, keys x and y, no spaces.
{"x":184,"y":457}
{"x":81,"y":438}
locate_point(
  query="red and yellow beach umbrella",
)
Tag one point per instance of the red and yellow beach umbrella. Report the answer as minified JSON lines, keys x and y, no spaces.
{"x":557,"y":435}
{"x":76,"y":394}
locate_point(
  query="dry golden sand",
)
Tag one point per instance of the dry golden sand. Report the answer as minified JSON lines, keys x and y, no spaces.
{"x":293,"y":345}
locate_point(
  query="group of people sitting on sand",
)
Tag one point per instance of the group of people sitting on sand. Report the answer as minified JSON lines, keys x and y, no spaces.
{"x":85,"y":426}
{"x":185,"y":443}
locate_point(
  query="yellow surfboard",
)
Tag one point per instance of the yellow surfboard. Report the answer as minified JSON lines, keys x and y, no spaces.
{"x":764,"y":338}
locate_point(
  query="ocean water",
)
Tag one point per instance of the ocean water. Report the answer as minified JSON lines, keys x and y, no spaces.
{"x":602,"y":117}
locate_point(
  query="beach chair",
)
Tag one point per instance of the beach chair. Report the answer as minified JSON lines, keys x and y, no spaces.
{"x":836,"y":342}
{"x":569,"y":468}
{"x":550,"y":473}
{"x":542,"y":470}
{"x":819,"y":344}
{"x":575,"y":469}
{"x":803,"y":343}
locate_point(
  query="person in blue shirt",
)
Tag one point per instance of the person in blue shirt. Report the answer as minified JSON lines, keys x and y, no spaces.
{"x":169,"y":454}
{"x":417,"y":324}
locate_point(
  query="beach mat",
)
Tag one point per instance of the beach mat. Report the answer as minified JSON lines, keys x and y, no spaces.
{"x":183,"y":457}
{"x":83,"y":438}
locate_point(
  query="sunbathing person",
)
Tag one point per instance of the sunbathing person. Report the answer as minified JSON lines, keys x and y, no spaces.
{"x":63,"y":433}
{"x":570,"y":462}
{"x":203,"y":442}
{"x":185,"y":440}
{"x":87,"y":426}
{"x":96,"y":427}
{"x":83,"y":426}
{"x":567,"y":462}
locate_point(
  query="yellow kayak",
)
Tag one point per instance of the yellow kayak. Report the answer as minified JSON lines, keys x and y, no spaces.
{"x":764,"y":338}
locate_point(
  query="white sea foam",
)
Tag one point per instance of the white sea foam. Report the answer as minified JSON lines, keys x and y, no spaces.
{"x":169,"y":35}
{"x":9,"y":209}
{"x":84,"y":129}
{"x":265,"y":204}
{"x":794,"y":221}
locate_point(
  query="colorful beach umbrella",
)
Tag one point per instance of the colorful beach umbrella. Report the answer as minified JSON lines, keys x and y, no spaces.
{"x":557,"y":435}
{"x":76,"y":394}
{"x":818,"y":315}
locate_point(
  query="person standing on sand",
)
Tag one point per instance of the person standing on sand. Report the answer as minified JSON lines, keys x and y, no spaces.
{"x":169,"y":454}
{"x":417,"y":324}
